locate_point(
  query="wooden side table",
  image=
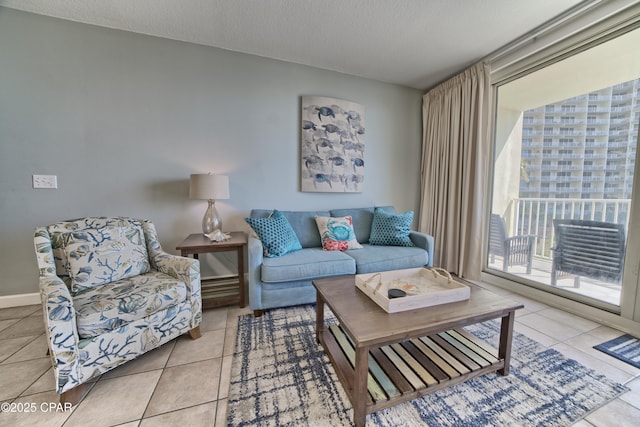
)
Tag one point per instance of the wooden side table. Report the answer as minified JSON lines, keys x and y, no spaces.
{"x":223,"y":291}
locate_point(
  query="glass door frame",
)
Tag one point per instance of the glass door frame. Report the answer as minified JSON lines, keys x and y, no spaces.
{"x":630,"y":296}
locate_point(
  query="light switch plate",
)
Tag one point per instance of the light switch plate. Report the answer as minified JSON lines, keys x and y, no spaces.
{"x":45,"y":181}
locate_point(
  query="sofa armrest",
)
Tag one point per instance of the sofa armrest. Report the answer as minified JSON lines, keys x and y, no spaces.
{"x":255,"y":256}
{"x":424,"y":241}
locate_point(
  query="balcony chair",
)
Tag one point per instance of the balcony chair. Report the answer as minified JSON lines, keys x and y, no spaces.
{"x":592,"y":249}
{"x":516,"y":250}
{"x":109,"y":294}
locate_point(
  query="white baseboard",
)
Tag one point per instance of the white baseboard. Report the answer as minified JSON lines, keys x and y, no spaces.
{"x":19,"y":300}
{"x":9,"y":301}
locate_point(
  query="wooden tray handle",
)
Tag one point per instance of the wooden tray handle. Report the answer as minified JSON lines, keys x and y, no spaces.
{"x":437,"y":271}
{"x":370,"y":279}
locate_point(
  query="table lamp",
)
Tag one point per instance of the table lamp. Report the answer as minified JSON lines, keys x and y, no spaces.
{"x":210,"y":187}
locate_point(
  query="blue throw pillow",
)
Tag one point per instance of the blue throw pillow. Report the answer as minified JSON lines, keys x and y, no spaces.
{"x":391,"y":229}
{"x":276,"y":234}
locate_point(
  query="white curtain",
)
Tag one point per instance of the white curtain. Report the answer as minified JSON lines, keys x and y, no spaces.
{"x":455,"y":169}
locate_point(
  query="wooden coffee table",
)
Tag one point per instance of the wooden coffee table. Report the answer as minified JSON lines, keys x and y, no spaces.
{"x":384,"y":359}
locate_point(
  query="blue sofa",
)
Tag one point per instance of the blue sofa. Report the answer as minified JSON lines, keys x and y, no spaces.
{"x":287,"y":280}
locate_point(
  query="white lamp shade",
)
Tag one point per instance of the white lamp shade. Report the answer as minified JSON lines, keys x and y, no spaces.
{"x":208,"y":187}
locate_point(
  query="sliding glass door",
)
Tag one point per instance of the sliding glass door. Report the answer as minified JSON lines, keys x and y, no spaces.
{"x":565,"y":158}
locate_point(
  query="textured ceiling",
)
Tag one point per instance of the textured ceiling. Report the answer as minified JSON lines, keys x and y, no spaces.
{"x":415,"y":43}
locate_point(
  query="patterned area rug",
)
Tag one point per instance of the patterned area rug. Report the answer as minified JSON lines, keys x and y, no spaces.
{"x":280,"y":376}
{"x":625,"y":348}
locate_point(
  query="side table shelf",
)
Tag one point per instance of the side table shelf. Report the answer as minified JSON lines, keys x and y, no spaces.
{"x":225,"y":290}
{"x":219,"y":292}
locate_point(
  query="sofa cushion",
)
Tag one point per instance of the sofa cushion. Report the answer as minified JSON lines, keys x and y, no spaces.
{"x":302,"y":222}
{"x":108,"y":307}
{"x":362,"y":219}
{"x":391,"y":230}
{"x":337,"y":233}
{"x":276,"y":234}
{"x":306,"y":264}
{"x":373,"y":258}
{"x":104,"y":255}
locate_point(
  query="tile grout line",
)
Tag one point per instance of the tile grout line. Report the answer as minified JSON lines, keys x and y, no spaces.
{"x":31,"y":385}
{"x":227,"y":333}
{"x":220,"y":374}
{"x":165,"y":366}
{"x":567,"y":343}
{"x":155,"y":388}
{"x":631,"y":379}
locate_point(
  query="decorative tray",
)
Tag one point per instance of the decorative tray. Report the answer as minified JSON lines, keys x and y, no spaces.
{"x":424,"y":287}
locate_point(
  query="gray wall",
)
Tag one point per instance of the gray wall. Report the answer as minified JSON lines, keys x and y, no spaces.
{"x":123,"y":119}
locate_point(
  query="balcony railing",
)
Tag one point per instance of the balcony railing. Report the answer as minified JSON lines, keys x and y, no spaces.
{"x":534,"y":216}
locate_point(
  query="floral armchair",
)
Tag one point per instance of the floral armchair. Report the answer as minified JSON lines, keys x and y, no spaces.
{"x":109,"y":294}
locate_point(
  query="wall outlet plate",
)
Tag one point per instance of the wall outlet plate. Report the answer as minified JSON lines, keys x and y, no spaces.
{"x":45,"y":181}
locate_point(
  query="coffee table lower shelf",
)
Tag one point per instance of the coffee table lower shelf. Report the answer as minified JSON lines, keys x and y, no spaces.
{"x":410,"y":369}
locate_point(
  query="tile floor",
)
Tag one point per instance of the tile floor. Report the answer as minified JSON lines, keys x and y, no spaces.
{"x":186,"y":382}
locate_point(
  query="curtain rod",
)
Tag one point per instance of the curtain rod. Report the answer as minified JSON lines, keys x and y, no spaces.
{"x":552,"y":24}
{"x":529,"y":37}
{"x":539,"y":33}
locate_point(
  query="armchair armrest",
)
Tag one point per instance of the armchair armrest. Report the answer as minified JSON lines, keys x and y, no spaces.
{"x":187,"y":270}
{"x":424,"y":241}
{"x":184,"y":269}
{"x":60,"y":316}
{"x":61,"y":329}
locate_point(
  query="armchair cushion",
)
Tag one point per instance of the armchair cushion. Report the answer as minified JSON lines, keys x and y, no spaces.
{"x":98,"y":256}
{"x":105,"y":308}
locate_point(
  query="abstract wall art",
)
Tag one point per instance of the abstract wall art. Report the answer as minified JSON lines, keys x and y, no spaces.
{"x":332,"y":151}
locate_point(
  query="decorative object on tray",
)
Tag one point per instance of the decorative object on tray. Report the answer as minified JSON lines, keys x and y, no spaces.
{"x":396,"y":293}
{"x":424,"y":287}
{"x":332,"y":145}
{"x":210,"y":187}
